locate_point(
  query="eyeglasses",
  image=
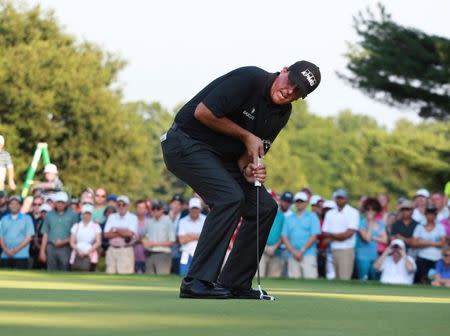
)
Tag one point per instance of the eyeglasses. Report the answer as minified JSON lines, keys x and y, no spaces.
{"x":156,"y":209}
{"x":98,"y":195}
{"x":122,"y":204}
{"x":37,"y":204}
{"x":446,"y":255}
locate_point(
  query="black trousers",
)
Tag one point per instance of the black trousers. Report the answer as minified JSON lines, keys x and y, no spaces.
{"x":230,"y":197}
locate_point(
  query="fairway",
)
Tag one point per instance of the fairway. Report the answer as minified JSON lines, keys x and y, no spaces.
{"x":37,"y":303}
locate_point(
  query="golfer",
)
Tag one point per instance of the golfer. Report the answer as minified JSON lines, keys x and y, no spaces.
{"x":214,"y":146}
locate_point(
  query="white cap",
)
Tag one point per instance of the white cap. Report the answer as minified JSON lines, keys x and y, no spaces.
{"x":60,"y":196}
{"x":195,"y":202}
{"x":301,"y":196}
{"x":329,"y":205}
{"x":314,"y":199}
{"x":50,"y":168}
{"x":87,"y":208}
{"x":398,"y":242}
{"x":422,"y":192}
{"x":124,"y":199}
{"x":2,"y":140}
{"x":45,"y":207}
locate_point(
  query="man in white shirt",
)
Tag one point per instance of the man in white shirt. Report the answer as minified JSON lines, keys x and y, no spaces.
{"x":340,"y":225}
{"x":121,"y":230}
{"x":189,"y":229}
{"x":395,"y":265}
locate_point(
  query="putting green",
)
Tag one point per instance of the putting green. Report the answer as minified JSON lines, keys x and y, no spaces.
{"x":39,"y":303}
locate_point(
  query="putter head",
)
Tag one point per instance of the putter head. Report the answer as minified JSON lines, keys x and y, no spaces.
{"x":266,"y":297}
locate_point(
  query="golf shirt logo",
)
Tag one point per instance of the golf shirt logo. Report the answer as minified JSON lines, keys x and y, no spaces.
{"x":250,"y":115}
{"x":309,"y":77}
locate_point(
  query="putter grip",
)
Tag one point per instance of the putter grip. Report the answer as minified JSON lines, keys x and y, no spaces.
{"x":257,"y":183}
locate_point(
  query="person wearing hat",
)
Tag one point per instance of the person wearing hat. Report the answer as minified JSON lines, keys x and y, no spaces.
{"x":189,"y":230}
{"x":316,"y":203}
{"x":429,"y":239}
{"x":52,"y":182}
{"x":6,"y":167}
{"x":214,"y":146}
{"x":395,"y":265}
{"x":16,"y":232}
{"x":300,"y":234}
{"x":420,"y":203}
{"x":403,"y":228}
{"x":85,"y":240}
{"x":158,"y":236}
{"x":340,"y":225}
{"x":286,"y":200}
{"x":176,"y":212}
{"x":121,"y":230}
{"x":55,"y":247}
{"x":325,"y":256}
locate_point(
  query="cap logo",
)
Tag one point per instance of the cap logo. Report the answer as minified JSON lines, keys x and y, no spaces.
{"x":309,"y":77}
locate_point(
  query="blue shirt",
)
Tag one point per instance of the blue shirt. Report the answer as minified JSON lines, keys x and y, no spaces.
{"x":275,"y":231}
{"x":443,"y":271}
{"x":299,"y":229}
{"x":368,"y":250}
{"x":14,"y":231}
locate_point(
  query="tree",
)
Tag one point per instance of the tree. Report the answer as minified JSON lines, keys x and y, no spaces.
{"x":56,"y":90}
{"x":400,"y":66}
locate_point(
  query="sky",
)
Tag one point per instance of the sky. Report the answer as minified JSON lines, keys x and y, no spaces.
{"x":174,"y":48}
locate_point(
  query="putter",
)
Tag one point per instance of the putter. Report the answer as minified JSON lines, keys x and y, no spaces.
{"x":262,"y":296}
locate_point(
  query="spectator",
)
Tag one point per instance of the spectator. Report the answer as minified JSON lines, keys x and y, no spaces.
{"x":139,"y":251}
{"x":324,"y":255}
{"x":55,"y":247}
{"x":158,"y":236}
{"x":271,"y":264}
{"x":395,"y":265}
{"x":4,"y":210}
{"x":16,"y":232}
{"x":52,"y":183}
{"x":403,"y":229}
{"x":420,"y":203}
{"x":111,"y":200}
{"x":6,"y":167}
{"x":442,"y":275}
{"x":87,"y":196}
{"x":438,"y":201}
{"x":44,"y":209}
{"x":429,"y":240}
{"x":371,"y":233}
{"x":286,"y":200}
{"x":175,"y":213}
{"x":99,"y":205}
{"x":35,"y":215}
{"x":300,"y":234}
{"x":189,"y":230}
{"x":339,"y":226}
{"x":121,"y":230}
{"x":316,"y":202}
{"x":85,"y":240}
{"x":109,"y":210}
{"x":75,"y":205}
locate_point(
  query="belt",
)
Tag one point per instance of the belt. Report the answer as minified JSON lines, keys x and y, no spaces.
{"x":120,"y":247}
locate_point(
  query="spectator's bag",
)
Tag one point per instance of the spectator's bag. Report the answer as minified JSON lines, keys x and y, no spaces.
{"x":81,"y":264}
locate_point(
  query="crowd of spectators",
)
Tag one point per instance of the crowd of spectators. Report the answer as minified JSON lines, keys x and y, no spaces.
{"x":311,"y":236}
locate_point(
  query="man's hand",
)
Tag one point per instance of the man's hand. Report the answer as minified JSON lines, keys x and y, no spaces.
{"x":255,"y":147}
{"x":298,"y":255}
{"x":12,"y":185}
{"x":42,"y":257}
{"x":254,"y":172}
{"x":270,"y":250}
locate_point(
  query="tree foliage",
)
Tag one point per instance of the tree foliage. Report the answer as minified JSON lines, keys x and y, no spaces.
{"x":400,"y":66}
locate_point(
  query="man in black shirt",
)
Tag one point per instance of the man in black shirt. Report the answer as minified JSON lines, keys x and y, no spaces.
{"x":214,"y":146}
{"x":404,"y":228}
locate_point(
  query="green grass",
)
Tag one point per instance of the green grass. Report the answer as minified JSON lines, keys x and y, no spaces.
{"x":35,"y":303}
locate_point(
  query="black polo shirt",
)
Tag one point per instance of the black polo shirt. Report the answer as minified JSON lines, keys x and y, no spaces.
{"x":243,"y":96}
{"x":406,"y":231}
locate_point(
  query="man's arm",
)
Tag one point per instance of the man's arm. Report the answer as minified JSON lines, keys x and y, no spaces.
{"x":22,"y":244}
{"x":379,"y":262}
{"x":11,"y":183}
{"x":42,"y":254}
{"x":188,"y":237}
{"x":254,"y":145}
{"x":341,"y":236}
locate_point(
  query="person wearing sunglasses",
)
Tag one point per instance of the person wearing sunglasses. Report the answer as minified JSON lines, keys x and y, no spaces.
{"x":100,"y":196}
{"x":442,"y":275}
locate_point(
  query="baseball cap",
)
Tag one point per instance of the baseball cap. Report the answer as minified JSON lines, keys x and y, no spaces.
{"x":315,"y":199}
{"x":157,"y":204}
{"x":305,"y":75}
{"x":287,"y":196}
{"x":15,"y":198}
{"x":398,"y":242}
{"x":111,"y":197}
{"x":124,"y":199}
{"x":60,"y":196}
{"x":195,"y":203}
{"x":329,"y":205}
{"x":340,"y":193}
{"x":406,"y":204}
{"x":422,"y":192}
{"x":301,"y":196}
{"x":177,"y":197}
{"x":87,"y":208}
{"x":51,"y":168}
{"x":3,"y":193}
{"x":45,"y":207}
